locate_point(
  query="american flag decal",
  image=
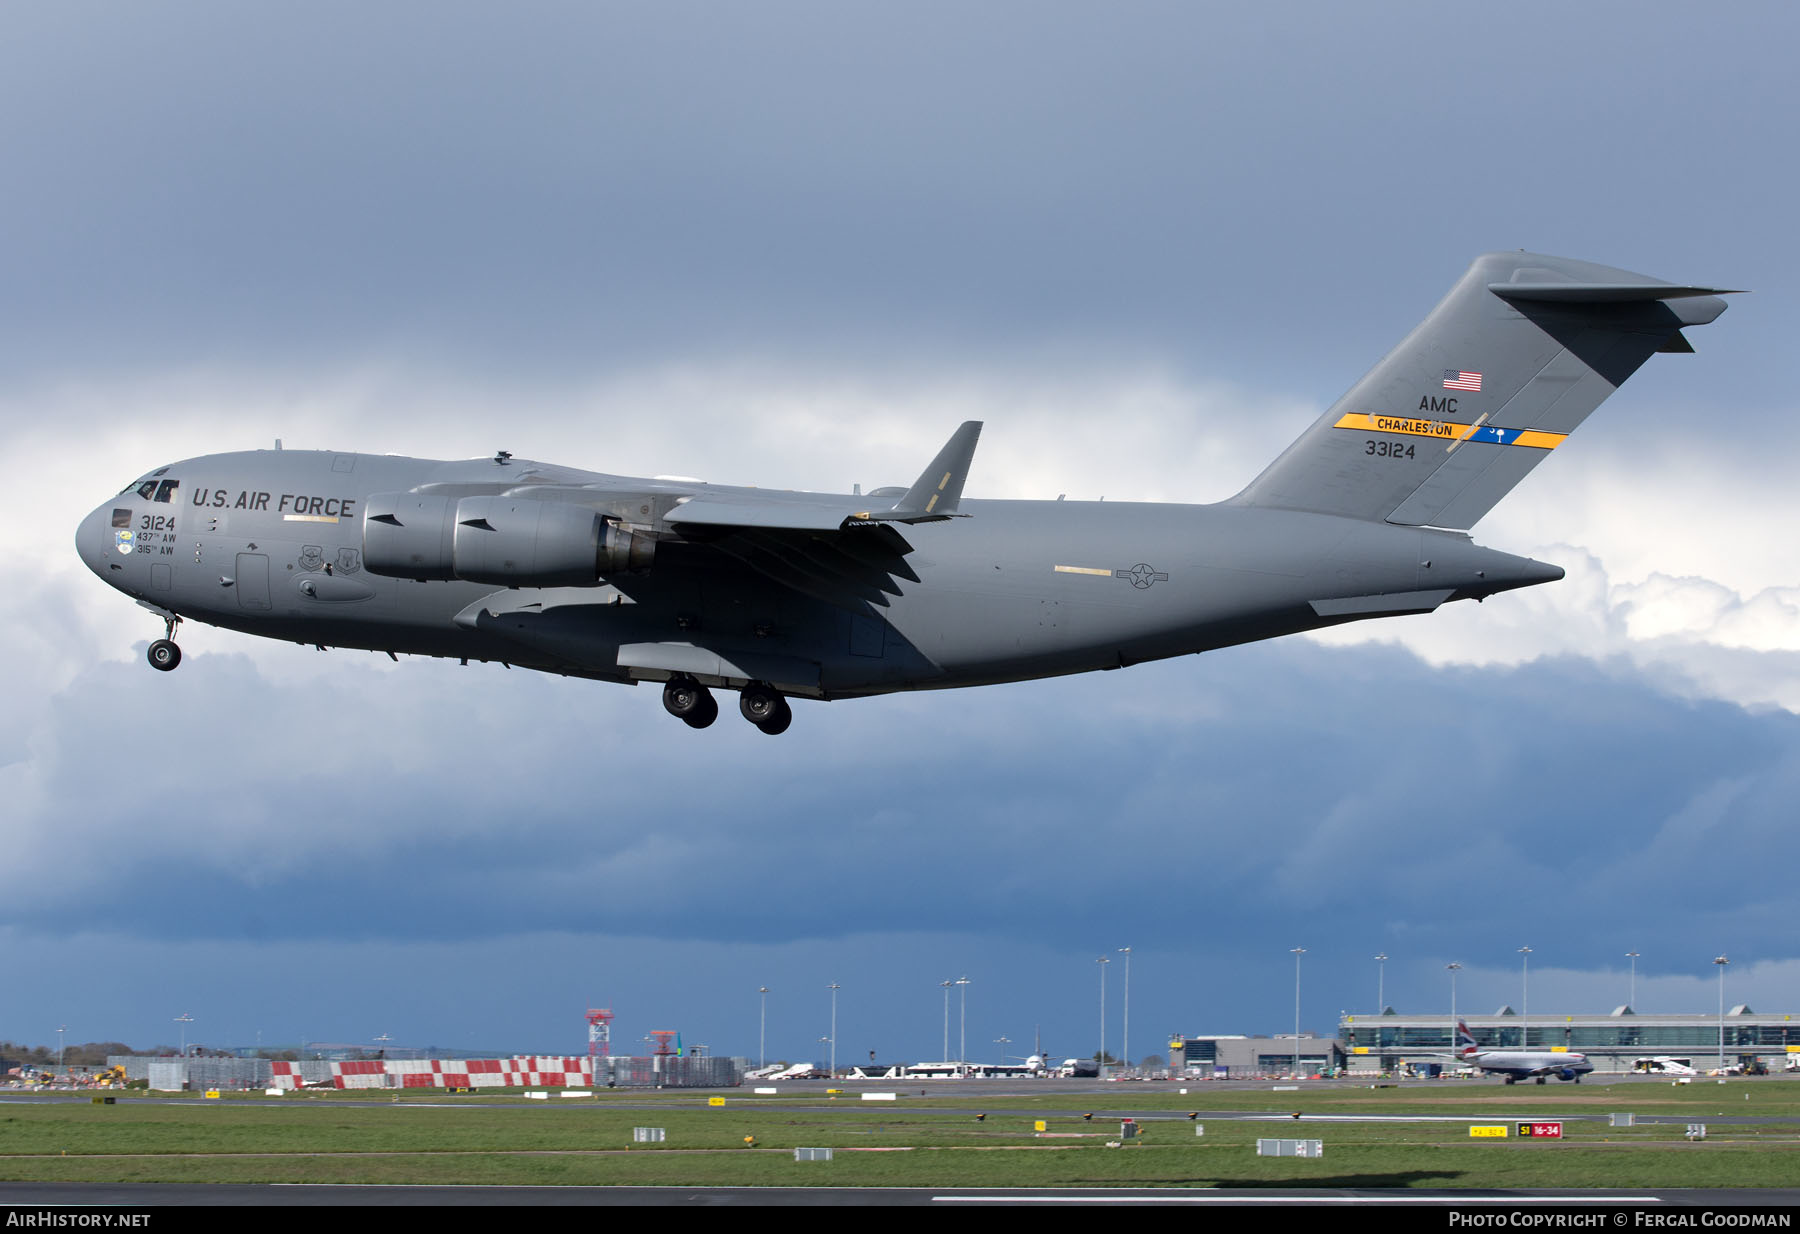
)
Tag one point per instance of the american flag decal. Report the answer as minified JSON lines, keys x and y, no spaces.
{"x":1456,"y":380}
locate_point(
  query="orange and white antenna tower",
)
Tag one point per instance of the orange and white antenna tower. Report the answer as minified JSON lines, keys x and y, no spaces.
{"x":599,"y":1032}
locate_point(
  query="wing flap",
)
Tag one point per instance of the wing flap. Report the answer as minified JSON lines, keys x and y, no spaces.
{"x":772,"y":557}
{"x":772,"y":514}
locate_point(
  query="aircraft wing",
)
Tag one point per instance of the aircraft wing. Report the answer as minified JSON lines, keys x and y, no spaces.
{"x":934,"y":496}
{"x":845,"y":551}
{"x":772,"y":514}
{"x":853,"y":565}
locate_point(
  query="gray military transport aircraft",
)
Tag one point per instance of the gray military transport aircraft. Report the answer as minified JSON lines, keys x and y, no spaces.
{"x":781,"y":595}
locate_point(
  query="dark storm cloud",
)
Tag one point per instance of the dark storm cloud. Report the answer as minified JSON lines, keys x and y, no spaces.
{"x":551,"y":187}
{"x":1329,"y":791}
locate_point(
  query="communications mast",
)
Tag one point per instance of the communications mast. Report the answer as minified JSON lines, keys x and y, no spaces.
{"x":599,"y":1032}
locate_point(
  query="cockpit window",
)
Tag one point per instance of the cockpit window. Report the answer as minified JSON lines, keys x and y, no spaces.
{"x":147,"y":489}
{"x":165,"y":492}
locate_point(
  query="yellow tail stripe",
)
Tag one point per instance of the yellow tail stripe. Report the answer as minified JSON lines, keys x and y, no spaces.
{"x":1444,"y":430}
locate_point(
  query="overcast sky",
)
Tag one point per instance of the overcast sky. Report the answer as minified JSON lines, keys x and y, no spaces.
{"x":794,"y":245}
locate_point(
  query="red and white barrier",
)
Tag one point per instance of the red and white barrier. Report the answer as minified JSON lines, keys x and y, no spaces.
{"x":525,"y":1071}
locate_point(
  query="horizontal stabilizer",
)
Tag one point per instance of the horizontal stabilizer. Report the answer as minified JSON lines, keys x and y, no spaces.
{"x":1602,"y":293}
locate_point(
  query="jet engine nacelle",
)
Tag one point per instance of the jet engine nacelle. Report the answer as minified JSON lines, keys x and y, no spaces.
{"x":511,"y":541}
{"x":1567,"y":1073}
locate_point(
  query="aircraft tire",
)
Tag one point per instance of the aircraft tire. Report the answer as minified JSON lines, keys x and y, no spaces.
{"x":684,"y":697}
{"x":163,"y":655}
{"x":1540,"y":1079}
{"x":778,"y":723}
{"x":705,"y":713}
{"x":758,"y":703}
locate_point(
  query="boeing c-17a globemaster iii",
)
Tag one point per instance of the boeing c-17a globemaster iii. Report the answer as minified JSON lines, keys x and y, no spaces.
{"x":780,"y":595}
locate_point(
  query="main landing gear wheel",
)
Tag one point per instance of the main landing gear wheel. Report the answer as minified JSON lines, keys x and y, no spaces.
{"x":766,"y":709}
{"x":691,"y":703}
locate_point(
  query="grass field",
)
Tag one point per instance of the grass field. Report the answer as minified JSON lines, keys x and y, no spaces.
{"x":934,"y":1141}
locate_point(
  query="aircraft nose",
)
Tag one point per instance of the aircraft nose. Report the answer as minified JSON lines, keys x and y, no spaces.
{"x":93,"y":539}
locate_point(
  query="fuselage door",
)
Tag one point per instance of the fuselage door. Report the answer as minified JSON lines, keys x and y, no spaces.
{"x":253,"y":582}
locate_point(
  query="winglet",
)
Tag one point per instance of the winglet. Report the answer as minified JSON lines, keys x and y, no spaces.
{"x":935,"y":494}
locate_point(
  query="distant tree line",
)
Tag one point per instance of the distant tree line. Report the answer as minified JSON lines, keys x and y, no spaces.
{"x":1152,"y":1062}
{"x":95,"y":1053}
{"x":87,"y":1054}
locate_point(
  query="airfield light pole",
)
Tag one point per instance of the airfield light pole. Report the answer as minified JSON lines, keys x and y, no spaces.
{"x":184,"y":1019}
{"x":1003,"y":1042}
{"x":1298,"y":952}
{"x":834,"y":988}
{"x":1722,"y":961}
{"x":60,"y":1029}
{"x":1380,"y":982}
{"x":962,"y":1039}
{"x":1125,"y":1045}
{"x":1100,"y":1071}
{"x":1453,"y":968}
{"x":946,"y":983}
{"x":1525,"y":998}
{"x":762,"y":1028}
{"x":1631,"y":994}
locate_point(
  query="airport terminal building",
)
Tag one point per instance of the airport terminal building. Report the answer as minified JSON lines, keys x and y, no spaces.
{"x":1237,"y":1057}
{"x":1613,"y":1043}
{"x":1390,"y":1041}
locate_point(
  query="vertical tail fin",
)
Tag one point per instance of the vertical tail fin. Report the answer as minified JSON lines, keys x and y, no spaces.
{"x":1465,"y":1040}
{"x":1500,"y":372}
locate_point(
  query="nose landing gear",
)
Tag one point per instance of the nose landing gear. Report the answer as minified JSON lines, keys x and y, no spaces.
{"x":164,"y":655}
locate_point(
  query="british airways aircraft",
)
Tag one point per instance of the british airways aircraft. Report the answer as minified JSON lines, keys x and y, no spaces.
{"x":1518,"y":1065}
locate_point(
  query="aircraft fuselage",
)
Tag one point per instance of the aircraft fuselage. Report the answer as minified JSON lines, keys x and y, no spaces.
{"x":273,"y":543}
{"x":1540,"y":1065}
